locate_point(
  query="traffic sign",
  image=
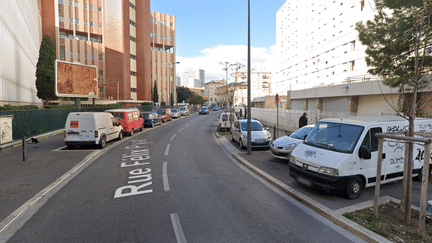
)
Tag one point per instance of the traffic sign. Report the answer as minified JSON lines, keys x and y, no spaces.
{"x":277,"y":98}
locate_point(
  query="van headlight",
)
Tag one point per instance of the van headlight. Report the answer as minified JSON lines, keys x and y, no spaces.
{"x":328,"y":171}
{"x":292,"y":159}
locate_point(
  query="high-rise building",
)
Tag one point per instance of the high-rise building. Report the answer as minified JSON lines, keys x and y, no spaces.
{"x":318,"y":44}
{"x":128,"y":57}
{"x":109,"y":34}
{"x":163,"y":62}
{"x":193,"y":77}
{"x":77,"y":30}
{"x":20,"y":30}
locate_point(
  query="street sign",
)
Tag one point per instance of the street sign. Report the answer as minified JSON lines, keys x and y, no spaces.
{"x":277,"y":98}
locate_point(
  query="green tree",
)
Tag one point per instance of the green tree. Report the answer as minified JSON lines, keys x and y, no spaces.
{"x":183,"y":94}
{"x":197,"y":100}
{"x":155,"y":93}
{"x":398,"y":50}
{"x":45,"y":71}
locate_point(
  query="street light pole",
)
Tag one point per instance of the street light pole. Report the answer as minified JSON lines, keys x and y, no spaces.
{"x":169,"y":81}
{"x":249,"y":133}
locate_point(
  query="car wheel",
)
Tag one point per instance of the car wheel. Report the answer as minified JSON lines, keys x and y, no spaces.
{"x":241,"y":144}
{"x":232,"y":137}
{"x":70,"y":146}
{"x":131,"y":132}
{"x":142,"y":127}
{"x":354,"y":188}
{"x":152,"y":125}
{"x":120,"y":136}
{"x":102,"y":142}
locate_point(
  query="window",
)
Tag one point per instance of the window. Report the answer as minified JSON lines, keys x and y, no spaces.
{"x":92,"y":56}
{"x":60,"y":1}
{"x":100,"y":9}
{"x":71,"y":20}
{"x":171,"y":38}
{"x":161,"y":22}
{"x":151,"y":34}
{"x":165,"y":37}
{"x":85,"y":22}
{"x":133,"y":39}
{"x":133,"y":73}
{"x":91,"y":7}
{"x":171,"y":24}
{"x":71,"y":54}
{"x":133,"y":23}
{"x":63,"y":36}
{"x":370,"y":141}
{"x":164,"y":22}
{"x":100,"y":25}
{"x":100,"y":72}
{"x":131,"y":5}
{"x":91,"y":24}
{"x":62,"y":53}
{"x":85,"y":5}
{"x":61,"y":18}
{"x":100,"y":56}
{"x":71,"y":36}
{"x":79,"y":54}
{"x":85,"y":54}
{"x":76,"y":21}
{"x":132,"y":56}
{"x":161,"y":36}
{"x":70,"y":3}
{"x":133,"y":90}
{"x":76,"y":4}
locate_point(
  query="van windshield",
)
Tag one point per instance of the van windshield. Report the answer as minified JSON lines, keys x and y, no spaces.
{"x":335,"y":136}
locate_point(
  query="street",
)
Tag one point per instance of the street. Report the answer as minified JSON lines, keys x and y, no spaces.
{"x":174,"y":183}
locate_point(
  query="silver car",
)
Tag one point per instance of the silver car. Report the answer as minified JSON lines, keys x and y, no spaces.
{"x":260,"y":137}
{"x":184,"y":111}
{"x":175,"y":113}
{"x":282,"y":147}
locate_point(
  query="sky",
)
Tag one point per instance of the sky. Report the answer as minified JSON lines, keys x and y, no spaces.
{"x":210,"y":32}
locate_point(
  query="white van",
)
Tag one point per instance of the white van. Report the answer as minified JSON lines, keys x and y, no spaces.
{"x":225,"y":121}
{"x":91,"y":128}
{"x":341,"y":154}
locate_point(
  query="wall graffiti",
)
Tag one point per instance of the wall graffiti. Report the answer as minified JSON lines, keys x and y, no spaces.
{"x":310,"y":153}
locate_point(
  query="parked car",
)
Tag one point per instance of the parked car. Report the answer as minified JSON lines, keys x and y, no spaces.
{"x":165,"y":114}
{"x":129,"y":119}
{"x":184,"y":111}
{"x":204,"y":111}
{"x":215,"y":108}
{"x":282,"y":147}
{"x":260,"y":137}
{"x":151,"y":119}
{"x":175,"y":113}
{"x":225,"y":121}
{"x":91,"y":128}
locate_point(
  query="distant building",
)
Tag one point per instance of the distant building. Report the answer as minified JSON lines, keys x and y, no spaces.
{"x":193,"y":77}
{"x":163,"y":35}
{"x":210,"y":90}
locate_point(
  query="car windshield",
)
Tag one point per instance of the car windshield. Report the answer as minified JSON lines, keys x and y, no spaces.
{"x":182,"y":108}
{"x":255,"y":126}
{"x":335,"y":136}
{"x":203,"y":109}
{"x":174,"y":110}
{"x":301,"y":133}
{"x":161,"y":112}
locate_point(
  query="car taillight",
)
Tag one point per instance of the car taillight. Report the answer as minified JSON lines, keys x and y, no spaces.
{"x":96,"y":134}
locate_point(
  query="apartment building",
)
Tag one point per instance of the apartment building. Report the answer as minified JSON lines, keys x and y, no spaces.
{"x":318,"y":44}
{"x":77,"y":29}
{"x":163,"y":53}
{"x":21,"y":36}
{"x":210,"y":90}
{"x":128,"y":58}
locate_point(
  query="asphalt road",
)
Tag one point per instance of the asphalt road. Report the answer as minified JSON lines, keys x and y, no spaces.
{"x":174,"y":183}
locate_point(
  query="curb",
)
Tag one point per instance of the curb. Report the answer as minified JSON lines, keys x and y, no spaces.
{"x":334,"y":216}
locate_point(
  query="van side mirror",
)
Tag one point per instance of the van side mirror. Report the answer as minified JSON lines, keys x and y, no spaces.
{"x":364,"y":152}
{"x":117,"y":124}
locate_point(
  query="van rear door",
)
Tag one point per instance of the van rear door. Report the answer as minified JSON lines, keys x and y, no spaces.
{"x":80,"y":129}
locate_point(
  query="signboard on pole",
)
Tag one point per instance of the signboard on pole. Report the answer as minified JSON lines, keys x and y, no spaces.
{"x":277,"y":99}
{"x":76,"y":80}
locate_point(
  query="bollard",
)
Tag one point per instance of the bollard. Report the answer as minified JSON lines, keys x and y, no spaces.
{"x":24,"y":149}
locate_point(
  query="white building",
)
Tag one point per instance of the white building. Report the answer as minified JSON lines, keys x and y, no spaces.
{"x":260,"y":85}
{"x":20,"y":27}
{"x":193,"y":78}
{"x":318,"y":44}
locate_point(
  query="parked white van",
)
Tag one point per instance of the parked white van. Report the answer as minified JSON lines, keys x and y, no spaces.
{"x":91,"y":128}
{"x":226,"y":120}
{"x":341,"y":154}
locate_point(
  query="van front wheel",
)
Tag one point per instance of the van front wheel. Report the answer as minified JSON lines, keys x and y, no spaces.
{"x":354,"y":188}
{"x":120,"y":136}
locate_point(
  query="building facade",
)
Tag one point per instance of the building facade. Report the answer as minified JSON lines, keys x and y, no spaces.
{"x":21,"y":36}
{"x":210,"y":90}
{"x":163,"y":49}
{"x":128,"y":57}
{"x":193,"y":77}
{"x":318,"y":45}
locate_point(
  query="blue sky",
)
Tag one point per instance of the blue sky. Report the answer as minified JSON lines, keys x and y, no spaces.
{"x":205,"y":30}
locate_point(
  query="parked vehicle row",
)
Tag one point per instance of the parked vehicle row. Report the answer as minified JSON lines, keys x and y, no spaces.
{"x":97,"y":128}
{"x":340,"y":155}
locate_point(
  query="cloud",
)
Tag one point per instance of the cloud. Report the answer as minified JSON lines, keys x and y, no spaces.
{"x":262,"y":58}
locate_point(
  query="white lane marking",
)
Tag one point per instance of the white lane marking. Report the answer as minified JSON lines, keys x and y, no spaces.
{"x":167,"y":149}
{"x":181,"y":130}
{"x":165,"y":177}
{"x":173,"y":137}
{"x":177,"y":228}
{"x":187,"y":125}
